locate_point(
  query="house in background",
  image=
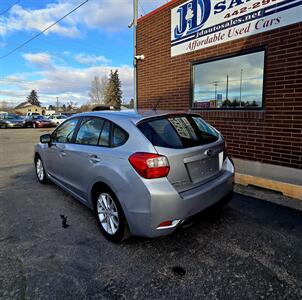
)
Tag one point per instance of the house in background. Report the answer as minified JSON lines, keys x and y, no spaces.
{"x":26,"y":107}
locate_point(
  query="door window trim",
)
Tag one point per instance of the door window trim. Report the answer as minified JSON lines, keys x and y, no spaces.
{"x":111,"y":127}
{"x":73,"y":135}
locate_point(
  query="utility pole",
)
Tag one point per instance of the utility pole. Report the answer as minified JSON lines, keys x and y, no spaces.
{"x":215,"y":83}
{"x":57,"y":105}
{"x":227,"y":87}
{"x":240,"y":87}
{"x":135,"y":14}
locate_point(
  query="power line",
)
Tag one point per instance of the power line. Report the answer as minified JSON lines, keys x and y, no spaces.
{"x":6,"y":10}
{"x":44,"y":30}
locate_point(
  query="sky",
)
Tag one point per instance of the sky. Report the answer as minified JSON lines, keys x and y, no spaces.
{"x":207,"y":75}
{"x":63,"y":61}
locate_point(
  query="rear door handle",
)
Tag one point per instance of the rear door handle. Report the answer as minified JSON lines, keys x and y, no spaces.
{"x":94,"y":158}
{"x":63,"y":154}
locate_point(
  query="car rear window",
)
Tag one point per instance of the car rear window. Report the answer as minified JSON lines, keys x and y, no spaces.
{"x":119,"y":136}
{"x":178,"y":132}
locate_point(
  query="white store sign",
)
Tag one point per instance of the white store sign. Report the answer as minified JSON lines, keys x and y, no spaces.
{"x":197,"y":24}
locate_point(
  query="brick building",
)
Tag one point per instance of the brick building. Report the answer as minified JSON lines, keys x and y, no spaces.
{"x":244,"y":79}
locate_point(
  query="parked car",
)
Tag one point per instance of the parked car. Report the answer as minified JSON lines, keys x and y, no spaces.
{"x":2,"y":114}
{"x":68,"y":114}
{"x":11,"y":121}
{"x":57,"y":119}
{"x":28,"y":114}
{"x":146,"y":172}
{"x":39,"y":121}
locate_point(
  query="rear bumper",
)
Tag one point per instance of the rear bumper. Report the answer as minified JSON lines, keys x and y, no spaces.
{"x":168,"y":205}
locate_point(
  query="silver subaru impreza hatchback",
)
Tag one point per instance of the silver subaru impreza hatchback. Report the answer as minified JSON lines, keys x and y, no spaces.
{"x":140,"y":172}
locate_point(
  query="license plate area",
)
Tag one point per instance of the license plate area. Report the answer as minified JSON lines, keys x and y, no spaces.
{"x":203,"y":169}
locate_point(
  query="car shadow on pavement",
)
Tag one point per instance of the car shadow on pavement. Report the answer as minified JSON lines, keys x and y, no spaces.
{"x":23,"y":179}
{"x":211,"y":220}
{"x":249,"y":248}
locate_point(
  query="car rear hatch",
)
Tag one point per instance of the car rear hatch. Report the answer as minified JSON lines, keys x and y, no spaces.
{"x":194,"y":149}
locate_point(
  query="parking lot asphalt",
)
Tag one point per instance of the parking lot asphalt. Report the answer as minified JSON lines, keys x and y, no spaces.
{"x":250,"y":250}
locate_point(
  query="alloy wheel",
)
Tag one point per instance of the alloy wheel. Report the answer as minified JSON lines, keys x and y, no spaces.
{"x":107,"y":213}
{"x":40,"y":169}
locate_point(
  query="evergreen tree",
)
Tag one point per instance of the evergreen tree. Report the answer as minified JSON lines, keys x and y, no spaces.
{"x":113,"y":94}
{"x":226,"y":103}
{"x":33,"y":98}
{"x":235,"y":103}
{"x":254,"y":103}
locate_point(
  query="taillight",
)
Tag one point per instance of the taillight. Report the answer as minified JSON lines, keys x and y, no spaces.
{"x":150,"y":165}
{"x":225,"y":152}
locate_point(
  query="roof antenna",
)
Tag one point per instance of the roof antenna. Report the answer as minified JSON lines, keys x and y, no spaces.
{"x":155,"y":106}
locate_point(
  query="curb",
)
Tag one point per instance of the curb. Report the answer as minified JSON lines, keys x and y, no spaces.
{"x":287,"y":189}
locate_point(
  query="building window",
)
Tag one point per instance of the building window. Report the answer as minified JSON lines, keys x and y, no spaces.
{"x":229,"y":83}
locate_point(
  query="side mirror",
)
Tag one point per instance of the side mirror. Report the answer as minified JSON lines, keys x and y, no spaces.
{"x":45,"y":139}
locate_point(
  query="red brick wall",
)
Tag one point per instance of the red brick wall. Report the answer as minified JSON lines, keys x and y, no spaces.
{"x":272,"y":135}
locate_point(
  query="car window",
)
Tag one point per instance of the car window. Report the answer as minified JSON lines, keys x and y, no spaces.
{"x":12,"y":117}
{"x":178,"y":131}
{"x":90,"y":131}
{"x":65,"y":132}
{"x":119,"y":136}
{"x":105,"y":135}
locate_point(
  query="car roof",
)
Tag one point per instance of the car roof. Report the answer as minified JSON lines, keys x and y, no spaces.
{"x":134,"y":116}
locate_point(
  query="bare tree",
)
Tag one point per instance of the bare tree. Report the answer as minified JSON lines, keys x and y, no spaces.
{"x":5,"y":106}
{"x":97,"y":90}
{"x":71,"y":105}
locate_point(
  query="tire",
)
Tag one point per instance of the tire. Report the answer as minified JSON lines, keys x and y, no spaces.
{"x":3,"y":126}
{"x":110,"y":217}
{"x":40,"y":170}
